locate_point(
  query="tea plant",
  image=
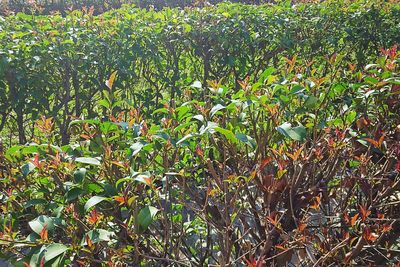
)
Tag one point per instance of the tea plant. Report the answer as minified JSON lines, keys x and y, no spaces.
{"x":232,"y":135}
{"x":299,"y":166}
{"x":56,"y":66}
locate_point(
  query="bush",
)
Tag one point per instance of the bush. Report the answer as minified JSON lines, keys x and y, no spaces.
{"x":8,"y":7}
{"x":301,"y":165}
{"x":57,"y":66}
{"x":232,"y":135}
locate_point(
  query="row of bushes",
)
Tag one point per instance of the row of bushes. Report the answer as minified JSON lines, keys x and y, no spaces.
{"x":300,"y":167}
{"x":9,"y":7}
{"x":56,"y":66}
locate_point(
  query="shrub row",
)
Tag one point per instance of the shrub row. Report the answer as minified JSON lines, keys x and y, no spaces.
{"x":298,"y":167}
{"x":9,"y":7}
{"x":56,"y":66}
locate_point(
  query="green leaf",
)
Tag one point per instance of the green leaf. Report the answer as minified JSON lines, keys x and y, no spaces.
{"x":12,"y":152}
{"x":53,"y":251}
{"x":146,"y":217}
{"x":34,"y":202}
{"x":266,"y":73}
{"x":351,"y":117}
{"x":36,"y":257}
{"x":93,"y":188}
{"x":197,"y":84}
{"x":73,"y":194}
{"x":186,"y":137}
{"x":140,"y":177}
{"x":370,"y":66}
{"x":87,"y":160}
{"x":227,"y":133}
{"x":37,"y":224}
{"x":199,"y":118}
{"x":161,"y":110}
{"x":183,"y":126}
{"x":32,"y":237}
{"x":311,"y":101}
{"x":296,"y":133}
{"x":105,"y":103}
{"x":371,"y":80}
{"x":27,"y":168}
{"x":122,"y":180}
{"x":93,"y":201}
{"x":97,"y":236}
{"x":215,"y":109}
{"x":135,"y":148}
{"x":246,"y":139}
{"x":79,"y":175}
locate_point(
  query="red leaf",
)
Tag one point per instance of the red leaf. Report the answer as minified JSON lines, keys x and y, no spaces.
{"x":364,"y":212}
{"x":368,"y":235}
{"x":42,"y":262}
{"x":346,"y":217}
{"x":386,"y":228}
{"x":44,"y":233}
{"x":199,"y":151}
{"x":254,"y":263}
{"x":265,"y":162}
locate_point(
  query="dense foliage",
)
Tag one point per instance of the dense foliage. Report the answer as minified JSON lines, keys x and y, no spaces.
{"x":57,"y":66}
{"x":225,"y":136}
{"x":9,"y":7}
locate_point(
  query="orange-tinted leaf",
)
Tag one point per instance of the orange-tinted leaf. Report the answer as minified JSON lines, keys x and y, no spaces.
{"x":44,"y":234}
{"x":386,"y":228}
{"x":280,"y":247}
{"x":89,"y":242}
{"x":317,"y":202}
{"x":354,"y":220}
{"x":36,"y":161}
{"x":364,"y":212}
{"x":362,"y":123}
{"x":110,"y":81}
{"x":346,"y":234}
{"x":254,"y":263}
{"x":119,"y":164}
{"x":148,"y":180}
{"x":93,"y":217}
{"x":372,"y":142}
{"x":295,"y":156}
{"x":352,"y":66}
{"x":302,"y":227}
{"x":120,"y":199}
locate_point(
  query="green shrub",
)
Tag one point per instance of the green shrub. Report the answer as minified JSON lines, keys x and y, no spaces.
{"x":232,"y":135}
{"x":57,"y":66}
{"x":300,"y":165}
